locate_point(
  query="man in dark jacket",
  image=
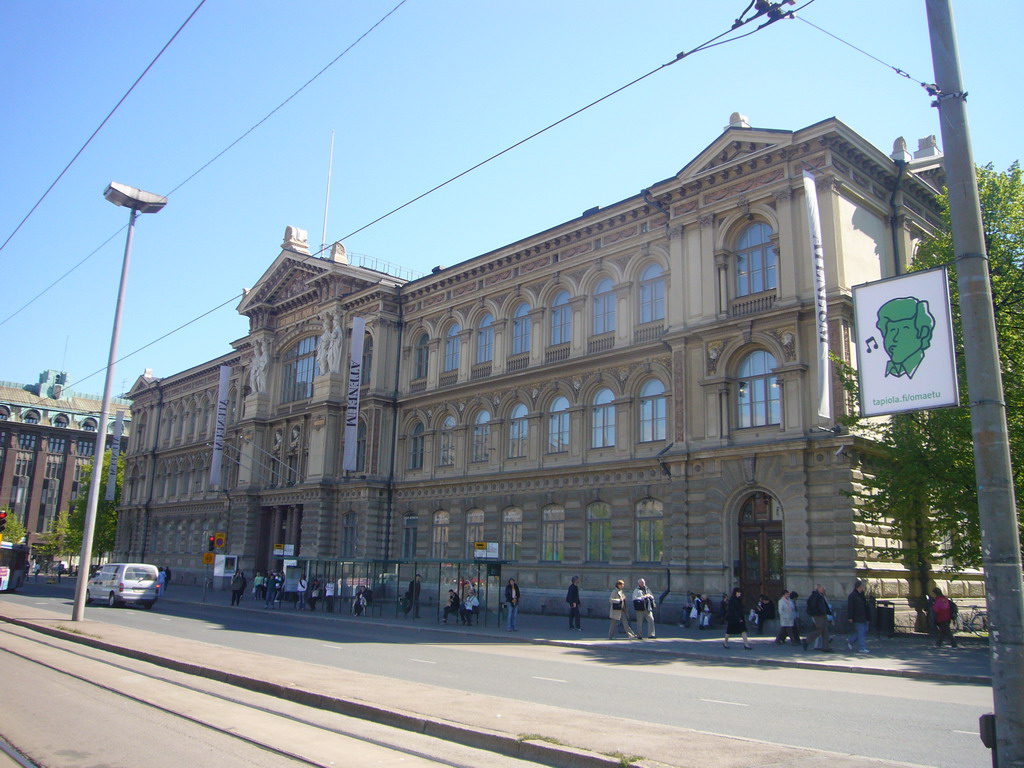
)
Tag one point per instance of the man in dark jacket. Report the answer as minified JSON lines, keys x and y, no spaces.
{"x":857,"y":613}
{"x":572,"y":597}
{"x":817,"y":609}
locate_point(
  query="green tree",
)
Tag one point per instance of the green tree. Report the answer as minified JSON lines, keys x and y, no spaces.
{"x":15,"y":532}
{"x":921,"y":480}
{"x":105,"y":529}
{"x":54,"y":543}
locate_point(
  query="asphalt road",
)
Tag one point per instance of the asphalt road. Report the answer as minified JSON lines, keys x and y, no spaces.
{"x":913,"y":721}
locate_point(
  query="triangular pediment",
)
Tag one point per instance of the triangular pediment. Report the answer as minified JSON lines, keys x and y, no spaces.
{"x":734,"y":146}
{"x":288,"y":277}
{"x":142,"y":383}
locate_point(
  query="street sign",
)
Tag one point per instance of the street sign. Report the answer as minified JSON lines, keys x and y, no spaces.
{"x":220,"y":538}
{"x":208,"y":558}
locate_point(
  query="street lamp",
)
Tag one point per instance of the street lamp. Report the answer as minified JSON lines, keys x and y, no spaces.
{"x":138,"y":202}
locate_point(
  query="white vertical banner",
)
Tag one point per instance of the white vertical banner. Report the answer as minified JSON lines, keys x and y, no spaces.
{"x":820,"y":299}
{"x":220,"y":425}
{"x":355,"y":374}
{"x":115,"y":452}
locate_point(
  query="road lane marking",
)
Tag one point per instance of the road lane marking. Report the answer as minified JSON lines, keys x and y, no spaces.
{"x":550,"y":679}
{"x":969,"y":733}
{"x":730,"y":703}
{"x":423,"y":661}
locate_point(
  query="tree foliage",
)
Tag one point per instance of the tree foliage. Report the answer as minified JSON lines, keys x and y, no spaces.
{"x":922,"y":480}
{"x":105,"y":529}
{"x":54,"y":543}
{"x":15,"y":532}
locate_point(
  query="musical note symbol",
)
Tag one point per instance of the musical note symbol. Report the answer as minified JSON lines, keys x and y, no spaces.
{"x":869,"y":342}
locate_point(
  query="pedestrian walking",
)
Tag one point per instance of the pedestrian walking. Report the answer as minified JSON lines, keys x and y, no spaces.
{"x":257,"y":586}
{"x":512,"y":601}
{"x":161,"y":582}
{"x":818,"y":610}
{"x":300,"y":603}
{"x":271,"y":586}
{"x":857,"y":614}
{"x":735,"y":623}
{"x":315,"y":588}
{"x":572,"y":597}
{"x":643,"y":604}
{"x":619,"y":612}
{"x":238,"y":584}
{"x":763,"y":611}
{"x":413,"y":597}
{"x":167,"y":578}
{"x":942,"y":611}
{"x":789,"y":616}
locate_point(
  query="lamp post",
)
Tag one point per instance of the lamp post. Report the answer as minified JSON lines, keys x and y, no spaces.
{"x":138,"y":202}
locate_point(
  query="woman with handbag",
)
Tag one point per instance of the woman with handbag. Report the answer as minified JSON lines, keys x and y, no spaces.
{"x":619,"y":611}
{"x":735,"y":623}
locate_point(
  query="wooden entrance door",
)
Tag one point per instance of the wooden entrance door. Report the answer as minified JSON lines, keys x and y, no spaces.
{"x":761,"y":557}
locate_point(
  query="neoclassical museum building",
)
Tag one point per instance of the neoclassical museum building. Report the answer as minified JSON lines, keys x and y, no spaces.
{"x":632,"y":393}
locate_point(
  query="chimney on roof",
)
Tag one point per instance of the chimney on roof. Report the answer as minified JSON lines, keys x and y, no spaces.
{"x":927,"y":147}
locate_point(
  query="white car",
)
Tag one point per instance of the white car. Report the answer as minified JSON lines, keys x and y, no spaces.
{"x":122,"y":583}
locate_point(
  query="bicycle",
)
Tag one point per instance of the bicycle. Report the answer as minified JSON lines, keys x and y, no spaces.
{"x":974,"y":621}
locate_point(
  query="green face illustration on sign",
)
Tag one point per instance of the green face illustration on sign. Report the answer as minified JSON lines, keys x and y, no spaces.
{"x":907,"y":327}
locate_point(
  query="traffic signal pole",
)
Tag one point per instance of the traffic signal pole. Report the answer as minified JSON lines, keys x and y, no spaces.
{"x":997,"y":508}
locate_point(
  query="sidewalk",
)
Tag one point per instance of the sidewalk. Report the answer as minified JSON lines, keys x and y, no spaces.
{"x":532,"y":731}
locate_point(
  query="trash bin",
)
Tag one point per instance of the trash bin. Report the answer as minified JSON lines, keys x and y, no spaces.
{"x":885,"y":617}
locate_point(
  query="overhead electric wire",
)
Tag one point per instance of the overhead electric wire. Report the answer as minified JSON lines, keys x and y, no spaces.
{"x":764,"y":9}
{"x":202,"y":168}
{"x":93,"y":136}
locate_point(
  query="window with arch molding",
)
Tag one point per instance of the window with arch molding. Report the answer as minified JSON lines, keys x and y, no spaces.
{"x":522,"y":329}
{"x":599,"y":532}
{"x":649,"y":531}
{"x":561,"y":319}
{"x":89,"y":425}
{"x":518,"y":432}
{"x":298,"y":366}
{"x":485,"y":339}
{"x":602,"y":420}
{"x":604,"y":307}
{"x":60,"y":421}
{"x":482,"y":437}
{"x":552,"y":538}
{"x":474,"y":530}
{"x":652,"y":294}
{"x":422,"y":357}
{"x":452,"y":348}
{"x":30,"y":417}
{"x":416,"y":446}
{"x":757,"y":398}
{"x":652,"y":411}
{"x":558,"y":426}
{"x":366,"y":366}
{"x":446,"y":443}
{"x":755,"y":260}
{"x":511,"y":533}
{"x":439,"y":537}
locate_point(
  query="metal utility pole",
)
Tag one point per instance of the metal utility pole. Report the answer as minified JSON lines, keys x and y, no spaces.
{"x":997,"y":509}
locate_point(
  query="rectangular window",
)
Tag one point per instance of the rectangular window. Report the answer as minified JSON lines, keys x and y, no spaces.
{"x":511,"y":534}
{"x":553,"y":535}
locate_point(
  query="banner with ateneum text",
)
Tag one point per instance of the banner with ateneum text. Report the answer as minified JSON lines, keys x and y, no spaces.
{"x":820,"y":299}
{"x":221,"y":425}
{"x":355,"y":375}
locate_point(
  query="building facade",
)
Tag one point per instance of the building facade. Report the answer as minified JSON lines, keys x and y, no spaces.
{"x":47,"y":437}
{"x":630,"y":393}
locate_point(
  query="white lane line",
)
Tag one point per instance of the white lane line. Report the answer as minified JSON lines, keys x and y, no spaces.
{"x":423,"y":661}
{"x":549,"y":679}
{"x":164,"y":618}
{"x":969,"y":733}
{"x":730,"y":703}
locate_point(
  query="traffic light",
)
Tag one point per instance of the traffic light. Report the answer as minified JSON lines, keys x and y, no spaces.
{"x":3,"y":520}
{"x":211,"y":544}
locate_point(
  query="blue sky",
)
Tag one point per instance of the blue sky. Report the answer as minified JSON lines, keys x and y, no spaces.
{"x":434,"y":89}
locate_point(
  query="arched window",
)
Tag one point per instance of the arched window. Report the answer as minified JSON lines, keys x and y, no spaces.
{"x":439,"y":536}
{"x":485,"y":339}
{"x":558,"y":426}
{"x":446,"y":443}
{"x":521,"y":329}
{"x":60,"y":421}
{"x":410,"y":530}
{"x":649,"y":531}
{"x":474,"y":530}
{"x":366,"y":367}
{"x":30,"y":417}
{"x":416,"y":447}
{"x":422,"y":357}
{"x":452,"y":348}
{"x":518,"y":431}
{"x":298,"y":366}
{"x":511,"y":533}
{"x":652,"y":411}
{"x":652,"y":294}
{"x":552,"y":537}
{"x":482,"y":436}
{"x":758,"y":397}
{"x":599,"y":532}
{"x":89,"y":425}
{"x":348,"y":534}
{"x":561,"y":319}
{"x":604,"y":307}
{"x":755,"y":260}
{"x":602,"y":420}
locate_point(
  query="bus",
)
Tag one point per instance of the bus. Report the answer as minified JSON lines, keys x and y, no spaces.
{"x":13,"y":566}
